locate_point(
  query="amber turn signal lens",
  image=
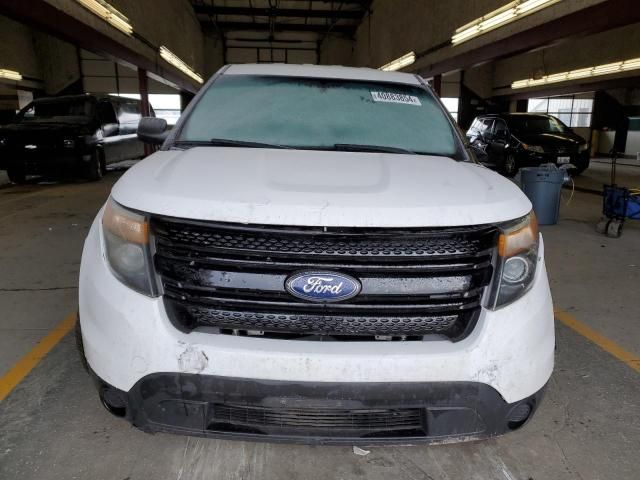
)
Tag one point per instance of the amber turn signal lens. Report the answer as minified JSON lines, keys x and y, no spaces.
{"x":520,"y":239}
{"x":124,"y":224}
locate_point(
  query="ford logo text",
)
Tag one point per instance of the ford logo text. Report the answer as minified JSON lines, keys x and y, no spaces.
{"x":322,"y":286}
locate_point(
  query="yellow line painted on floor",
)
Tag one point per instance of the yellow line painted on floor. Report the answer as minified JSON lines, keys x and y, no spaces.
{"x":603,"y":342}
{"x":27,"y":363}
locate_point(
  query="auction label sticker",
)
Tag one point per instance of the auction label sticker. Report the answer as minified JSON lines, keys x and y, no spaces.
{"x":389,"y":97}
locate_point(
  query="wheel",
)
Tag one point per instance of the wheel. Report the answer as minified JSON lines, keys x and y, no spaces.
{"x":16,"y":174}
{"x":510,"y":165}
{"x":614,"y":230}
{"x":574,"y":172}
{"x":103,"y":163}
{"x":95,"y":167}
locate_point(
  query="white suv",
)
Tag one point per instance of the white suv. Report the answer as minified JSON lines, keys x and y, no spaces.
{"x":313,"y":255}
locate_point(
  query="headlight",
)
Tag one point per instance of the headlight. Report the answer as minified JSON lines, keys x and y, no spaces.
{"x":126,"y":240}
{"x":69,"y":143}
{"x":582,"y":148}
{"x":3,"y":142}
{"x":533,"y":148}
{"x":517,"y":261}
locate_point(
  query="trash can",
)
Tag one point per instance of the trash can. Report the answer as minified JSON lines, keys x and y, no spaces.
{"x":543,"y":185}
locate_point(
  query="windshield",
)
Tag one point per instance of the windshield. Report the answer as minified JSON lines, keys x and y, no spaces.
{"x":536,"y":124}
{"x":69,"y":110}
{"x":320,"y":114}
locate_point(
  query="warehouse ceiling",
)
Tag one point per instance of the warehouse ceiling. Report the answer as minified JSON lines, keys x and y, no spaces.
{"x":288,"y":24}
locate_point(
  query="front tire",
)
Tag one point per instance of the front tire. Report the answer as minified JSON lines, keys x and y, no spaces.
{"x":510,"y":165}
{"x":95,"y":168}
{"x":17,"y":174}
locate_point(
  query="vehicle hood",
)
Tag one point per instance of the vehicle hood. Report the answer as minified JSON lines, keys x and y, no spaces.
{"x":319,"y":188}
{"x":568,"y":139}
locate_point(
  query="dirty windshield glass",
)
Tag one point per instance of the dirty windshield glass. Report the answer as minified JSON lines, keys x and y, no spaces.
{"x":76,"y":109}
{"x":320,"y":114}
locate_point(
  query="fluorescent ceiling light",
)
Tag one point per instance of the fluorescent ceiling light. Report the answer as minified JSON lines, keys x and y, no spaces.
{"x":492,"y":20}
{"x":174,"y":60}
{"x":109,"y":14}
{"x":607,"y":69}
{"x":404,"y":61}
{"x":10,"y":75}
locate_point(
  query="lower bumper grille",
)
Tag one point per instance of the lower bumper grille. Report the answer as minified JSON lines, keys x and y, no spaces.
{"x":415,"y":282}
{"x":346,"y":422}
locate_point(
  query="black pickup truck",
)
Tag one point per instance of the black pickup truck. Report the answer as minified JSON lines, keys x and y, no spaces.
{"x":70,"y":135}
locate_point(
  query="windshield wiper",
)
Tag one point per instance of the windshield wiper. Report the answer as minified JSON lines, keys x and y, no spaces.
{"x":354,"y":147}
{"x":226,"y":142}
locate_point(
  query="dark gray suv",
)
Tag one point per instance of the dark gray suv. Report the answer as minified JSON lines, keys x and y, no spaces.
{"x":78,"y":134}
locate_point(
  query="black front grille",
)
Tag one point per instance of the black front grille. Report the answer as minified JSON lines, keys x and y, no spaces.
{"x":369,"y":325}
{"x":351,"y":246}
{"x":231,"y":277}
{"x":369,"y":422}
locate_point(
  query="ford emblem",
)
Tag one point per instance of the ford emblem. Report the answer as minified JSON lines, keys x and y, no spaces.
{"x":322,"y":286}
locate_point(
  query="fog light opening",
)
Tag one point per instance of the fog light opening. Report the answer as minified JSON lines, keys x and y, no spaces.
{"x":519,"y":416}
{"x":112,"y":402}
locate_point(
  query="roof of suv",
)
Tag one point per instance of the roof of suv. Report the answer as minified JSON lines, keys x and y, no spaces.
{"x":514,"y":114}
{"x":96,"y":96}
{"x":322,"y":71}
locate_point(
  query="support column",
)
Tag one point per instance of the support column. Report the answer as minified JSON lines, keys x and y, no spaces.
{"x":143,"y":88}
{"x":185,"y":99}
{"x":437,"y":84}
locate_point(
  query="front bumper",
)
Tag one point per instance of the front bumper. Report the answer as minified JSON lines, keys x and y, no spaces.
{"x":48,"y":161}
{"x":134,"y":349}
{"x":318,"y":413}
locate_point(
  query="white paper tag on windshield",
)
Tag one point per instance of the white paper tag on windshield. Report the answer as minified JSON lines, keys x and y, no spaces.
{"x":389,"y":97}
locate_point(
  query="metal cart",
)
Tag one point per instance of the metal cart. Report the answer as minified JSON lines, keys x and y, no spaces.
{"x":618,"y":204}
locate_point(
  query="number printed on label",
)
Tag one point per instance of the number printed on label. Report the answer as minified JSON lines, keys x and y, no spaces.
{"x":389,"y":97}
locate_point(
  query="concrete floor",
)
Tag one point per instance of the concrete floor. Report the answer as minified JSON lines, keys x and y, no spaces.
{"x":53,"y":427}
{"x":599,"y":173}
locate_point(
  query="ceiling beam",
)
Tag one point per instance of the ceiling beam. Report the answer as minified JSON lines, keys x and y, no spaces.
{"x":598,"y":18}
{"x":283,"y":27}
{"x":576,"y":87}
{"x":344,"y":2}
{"x":45,"y":17}
{"x":278,"y":12}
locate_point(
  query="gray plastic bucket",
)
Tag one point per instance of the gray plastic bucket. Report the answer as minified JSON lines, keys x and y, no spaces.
{"x":543,"y":185}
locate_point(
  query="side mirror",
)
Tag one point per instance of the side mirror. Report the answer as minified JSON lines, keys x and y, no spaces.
{"x":110,"y":129}
{"x":152,"y":130}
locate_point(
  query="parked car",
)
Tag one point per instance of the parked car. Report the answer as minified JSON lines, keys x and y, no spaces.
{"x":78,"y":134}
{"x":313,"y":255}
{"x":513,"y":140}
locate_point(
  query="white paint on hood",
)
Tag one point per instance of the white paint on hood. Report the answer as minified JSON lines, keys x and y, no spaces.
{"x":319,"y":188}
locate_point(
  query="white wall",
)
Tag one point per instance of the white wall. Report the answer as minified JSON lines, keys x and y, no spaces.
{"x":102,"y":75}
{"x":337,"y":50}
{"x":633,"y":143}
